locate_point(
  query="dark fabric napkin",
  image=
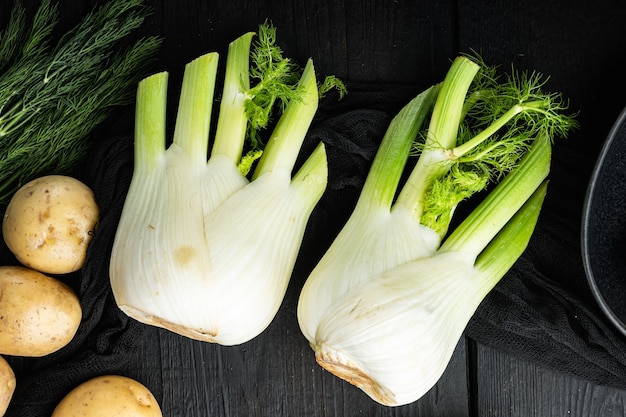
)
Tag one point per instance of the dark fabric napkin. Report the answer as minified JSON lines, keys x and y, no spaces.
{"x":532,"y":313}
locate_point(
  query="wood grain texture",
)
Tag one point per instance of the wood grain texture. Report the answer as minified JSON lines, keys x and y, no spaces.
{"x":514,"y":387}
{"x":374,"y":41}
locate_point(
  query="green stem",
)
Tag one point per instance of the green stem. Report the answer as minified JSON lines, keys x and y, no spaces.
{"x":449,"y":108}
{"x":384,"y":175}
{"x":442,"y":134}
{"x":230,"y":133}
{"x":312,"y":178}
{"x":287,"y":137}
{"x":193,"y":119}
{"x":471,"y":100}
{"x":486,"y":220}
{"x":150,"y":121}
{"x":509,"y":244}
{"x":495,"y":126}
{"x":16,"y":117}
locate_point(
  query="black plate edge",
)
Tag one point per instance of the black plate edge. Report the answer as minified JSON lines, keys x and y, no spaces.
{"x":616,"y":321}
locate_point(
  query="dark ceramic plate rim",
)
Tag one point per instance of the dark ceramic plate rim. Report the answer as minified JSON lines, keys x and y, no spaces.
{"x":588,"y":213}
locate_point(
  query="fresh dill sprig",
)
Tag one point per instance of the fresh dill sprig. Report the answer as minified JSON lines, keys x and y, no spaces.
{"x":53,"y":95}
{"x":12,"y":36}
{"x":22,"y":62}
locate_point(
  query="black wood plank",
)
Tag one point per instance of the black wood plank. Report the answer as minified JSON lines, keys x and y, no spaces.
{"x":377,"y":41}
{"x":513,"y":387}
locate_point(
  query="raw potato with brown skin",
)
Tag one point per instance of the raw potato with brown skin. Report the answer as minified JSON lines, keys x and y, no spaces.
{"x":109,"y":396}
{"x":38,"y":314}
{"x":7,"y":385}
{"x":49,"y":223}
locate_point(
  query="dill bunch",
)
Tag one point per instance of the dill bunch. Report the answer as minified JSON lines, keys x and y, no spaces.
{"x":54,"y":94}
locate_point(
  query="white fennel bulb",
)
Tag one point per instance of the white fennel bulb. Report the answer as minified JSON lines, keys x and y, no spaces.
{"x":394,"y":314}
{"x":388,"y":302}
{"x":201,"y":248}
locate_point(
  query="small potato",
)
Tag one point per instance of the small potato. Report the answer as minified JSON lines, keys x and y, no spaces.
{"x":38,"y":314}
{"x":109,"y":396}
{"x":7,"y":385}
{"x":49,"y":222}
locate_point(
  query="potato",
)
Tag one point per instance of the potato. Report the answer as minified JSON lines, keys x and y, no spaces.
{"x":38,"y":314}
{"x":109,"y":396}
{"x":49,"y":223}
{"x":7,"y":385}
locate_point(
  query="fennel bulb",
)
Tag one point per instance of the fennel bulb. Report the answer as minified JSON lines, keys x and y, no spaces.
{"x":386,"y":305}
{"x":201,"y":249}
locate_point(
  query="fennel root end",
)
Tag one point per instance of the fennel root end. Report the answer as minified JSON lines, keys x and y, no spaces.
{"x":341,"y":366}
{"x":152,"y":320}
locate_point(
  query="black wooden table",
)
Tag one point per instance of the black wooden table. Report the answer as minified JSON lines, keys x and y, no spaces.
{"x":406,"y":44}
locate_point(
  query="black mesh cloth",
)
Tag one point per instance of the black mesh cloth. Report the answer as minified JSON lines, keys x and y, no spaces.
{"x":533,"y":313}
